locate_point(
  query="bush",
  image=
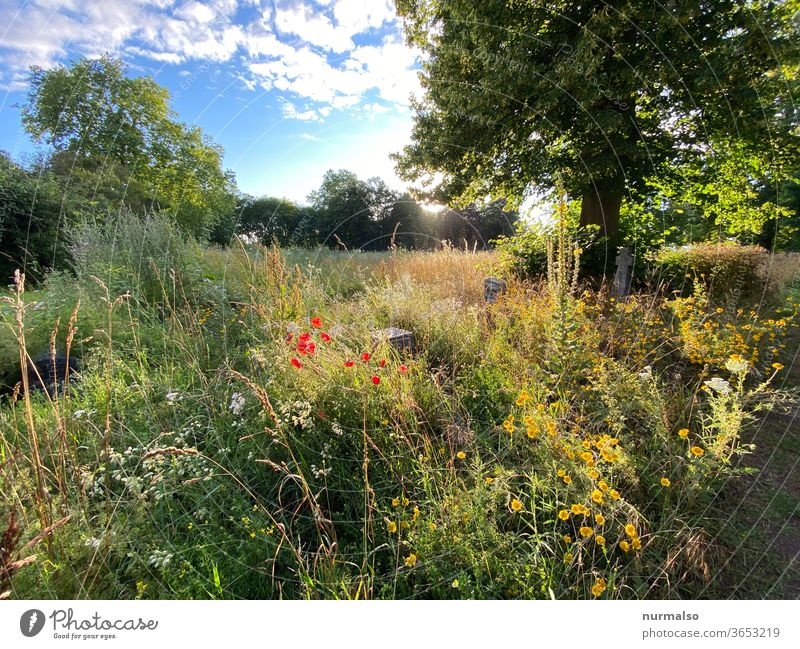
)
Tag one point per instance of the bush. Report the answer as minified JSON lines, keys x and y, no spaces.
{"x":727,"y":271}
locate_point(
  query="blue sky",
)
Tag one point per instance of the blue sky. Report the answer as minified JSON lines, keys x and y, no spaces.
{"x":290,"y":88}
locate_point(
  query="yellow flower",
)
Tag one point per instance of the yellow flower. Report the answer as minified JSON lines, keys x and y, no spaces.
{"x":405,"y":501}
{"x":577,"y":509}
{"x":563,"y":515}
{"x":603,"y":485}
{"x":636,"y":543}
{"x":593,"y":474}
{"x":461,"y":455}
{"x":777,"y":366}
{"x":567,"y":479}
{"x":561,"y":473}
{"x":567,"y":539}
{"x":532,"y":430}
{"x":488,"y":479}
{"x":683,"y":432}
{"x":600,"y":539}
{"x":597,"y":496}
{"x":586,"y":532}
{"x":416,"y":514}
{"x":630,"y":530}
{"x":392,"y":527}
{"x":403,"y":525}
{"x":599,"y":587}
{"x":586,"y":456}
{"x":665,"y":482}
{"x":586,"y":444}
{"x":516,"y":505}
{"x":567,"y":557}
{"x":523,"y":398}
{"x":624,"y":546}
{"x":600,"y":519}
{"x":552,"y":429}
{"x":411,"y":560}
{"x":395,"y":502}
{"x":614,"y":494}
{"x":432,"y":525}
{"x":697,"y":451}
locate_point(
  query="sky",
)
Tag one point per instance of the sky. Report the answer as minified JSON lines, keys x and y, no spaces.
{"x":289,"y":88}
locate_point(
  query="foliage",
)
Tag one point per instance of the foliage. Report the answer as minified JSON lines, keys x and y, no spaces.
{"x":94,"y":112}
{"x":249,"y":436}
{"x":593,"y":98}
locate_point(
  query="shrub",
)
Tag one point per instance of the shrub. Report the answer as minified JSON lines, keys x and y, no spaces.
{"x":728,"y":271}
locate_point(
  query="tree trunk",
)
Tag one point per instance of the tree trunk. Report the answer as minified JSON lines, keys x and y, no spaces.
{"x":600,"y":206}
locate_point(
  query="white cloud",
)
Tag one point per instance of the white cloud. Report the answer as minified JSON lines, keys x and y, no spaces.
{"x":286,"y":47}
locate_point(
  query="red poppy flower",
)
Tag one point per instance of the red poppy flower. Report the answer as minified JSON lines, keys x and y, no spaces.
{"x":403,"y":369}
{"x":325,"y":337}
{"x":304,"y":337}
{"x":365,"y":356}
{"x":311,"y":348}
{"x":376,"y":379}
{"x":296,"y":363}
{"x":321,"y":414}
{"x":316,"y":322}
{"x":349,"y":363}
{"x":383,"y":362}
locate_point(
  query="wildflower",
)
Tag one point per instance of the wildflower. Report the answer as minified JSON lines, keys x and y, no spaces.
{"x":402,"y":369}
{"x":411,"y":560}
{"x":624,"y":546}
{"x":567,"y":539}
{"x":461,"y":455}
{"x":600,"y":540}
{"x":416,"y":514}
{"x":777,"y":367}
{"x":237,"y":403}
{"x":376,"y":379}
{"x":586,"y":532}
{"x":296,"y":363}
{"x":563,"y":514}
{"x":665,"y":482}
{"x":172,"y":397}
{"x":719,"y":385}
{"x":561,"y":473}
{"x":325,"y":337}
{"x":697,"y":451}
{"x":594,"y":474}
{"x":523,"y":398}
{"x":586,"y":456}
{"x":599,"y":587}
{"x":597,"y":496}
{"x":432,"y":526}
{"x":578,"y":509}
{"x":736,"y":364}
{"x":488,"y":479}
{"x":316,"y":322}
{"x":567,"y":479}
{"x":383,"y":362}
{"x":552,"y":429}
{"x":349,"y":363}
{"x":636,"y":544}
{"x":516,"y":505}
{"x":603,"y":485}
{"x":365,"y":357}
{"x":395,"y":502}
{"x":567,"y":557}
{"x":405,"y":501}
{"x":630,"y":530}
{"x":599,"y":519}
{"x":392,"y":527}
{"x":403,"y":525}
{"x":683,"y":433}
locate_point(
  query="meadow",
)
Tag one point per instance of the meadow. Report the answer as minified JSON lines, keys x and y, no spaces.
{"x":237,"y":430}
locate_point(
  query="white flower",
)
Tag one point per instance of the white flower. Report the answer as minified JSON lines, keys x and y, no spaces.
{"x":92,"y":542}
{"x":78,"y":414}
{"x":237,"y":403}
{"x":719,"y":385}
{"x":646,"y":373}
{"x":736,"y":365}
{"x":172,"y":397}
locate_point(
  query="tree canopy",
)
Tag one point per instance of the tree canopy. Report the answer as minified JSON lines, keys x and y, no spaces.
{"x":103,"y":122}
{"x":597,"y":98}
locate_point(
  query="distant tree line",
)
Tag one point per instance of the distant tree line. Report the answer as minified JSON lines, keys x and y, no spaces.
{"x":368,"y":215}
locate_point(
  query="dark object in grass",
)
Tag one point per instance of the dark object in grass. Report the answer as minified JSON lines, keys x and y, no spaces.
{"x":401,"y":339}
{"x":493,"y":288}
{"x":46,"y":372}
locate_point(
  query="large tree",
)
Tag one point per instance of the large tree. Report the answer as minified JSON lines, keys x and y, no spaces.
{"x":109,"y":125}
{"x":596,"y":97}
